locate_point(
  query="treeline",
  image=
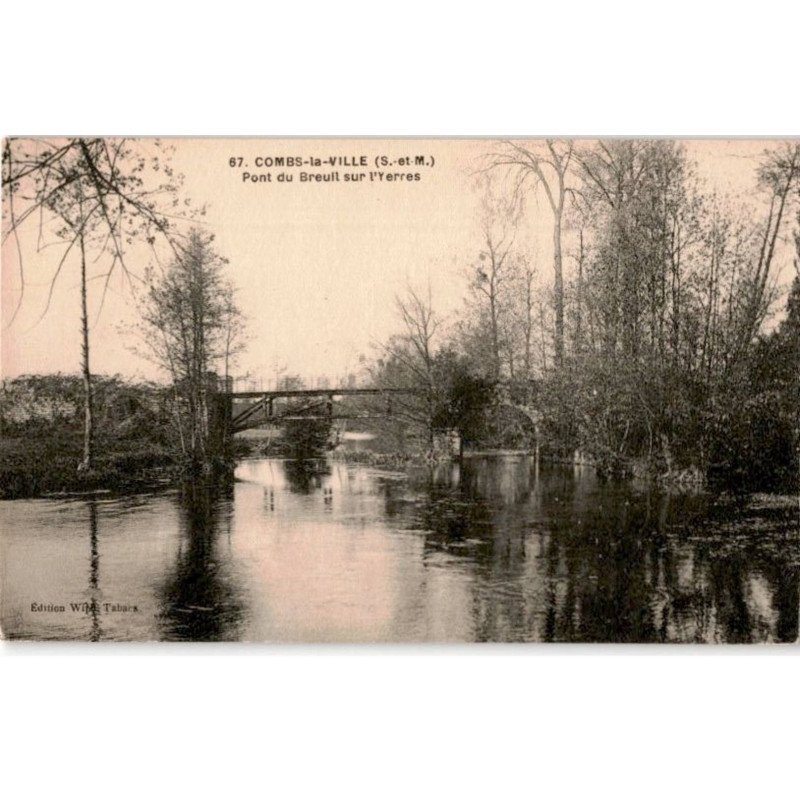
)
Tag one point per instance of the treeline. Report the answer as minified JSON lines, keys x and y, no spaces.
{"x":643,"y":343}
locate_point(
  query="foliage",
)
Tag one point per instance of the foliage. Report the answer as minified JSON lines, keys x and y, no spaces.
{"x":43,"y":405}
{"x":191,"y":328}
{"x":463,"y":399}
{"x":41,"y":421}
{"x":651,"y":356}
{"x":755,"y":433}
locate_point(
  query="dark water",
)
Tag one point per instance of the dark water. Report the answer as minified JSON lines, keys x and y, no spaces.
{"x":493,"y":550}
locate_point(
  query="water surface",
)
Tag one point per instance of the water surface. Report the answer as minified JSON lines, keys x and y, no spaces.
{"x":491,"y":550}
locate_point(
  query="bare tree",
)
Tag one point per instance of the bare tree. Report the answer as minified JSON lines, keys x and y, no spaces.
{"x":490,"y":278}
{"x":234,"y":326}
{"x":100,"y":195}
{"x":778,"y":176}
{"x":547,"y":168}
{"x":408,"y":360}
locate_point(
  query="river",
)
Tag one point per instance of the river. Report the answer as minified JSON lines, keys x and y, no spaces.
{"x":491,"y":550}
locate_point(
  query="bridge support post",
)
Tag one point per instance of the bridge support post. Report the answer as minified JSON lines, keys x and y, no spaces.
{"x":220,"y":416}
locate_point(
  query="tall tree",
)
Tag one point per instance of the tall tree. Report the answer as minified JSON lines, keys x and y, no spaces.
{"x":778,"y":177}
{"x":408,"y":360}
{"x":490,"y":278}
{"x":547,"y":168}
{"x":97,"y":195}
{"x":191,"y":326}
{"x":524,"y":312}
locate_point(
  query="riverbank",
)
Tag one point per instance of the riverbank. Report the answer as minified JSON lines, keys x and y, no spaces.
{"x":37,"y":468}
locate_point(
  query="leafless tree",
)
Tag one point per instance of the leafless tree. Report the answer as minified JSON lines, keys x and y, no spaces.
{"x":546,"y":168}
{"x":97,"y":195}
{"x":408,"y":361}
{"x":490,"y":278}
{"x":779,"y":175}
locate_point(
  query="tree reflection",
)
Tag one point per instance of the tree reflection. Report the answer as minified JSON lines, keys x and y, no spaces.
{"x":200,"y":599}
{"x":787,"y":600}
{"x":558,"y":556}
{"x":94,"y":574}
{"x":304,"y":475}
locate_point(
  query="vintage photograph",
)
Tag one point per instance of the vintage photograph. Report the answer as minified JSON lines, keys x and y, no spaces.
{"x":400,"y":390}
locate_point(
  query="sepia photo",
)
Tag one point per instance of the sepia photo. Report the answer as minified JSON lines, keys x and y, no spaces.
{"x":400,"y":390}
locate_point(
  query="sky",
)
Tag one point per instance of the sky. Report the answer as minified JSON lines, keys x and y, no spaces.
{"x":317,"y":265}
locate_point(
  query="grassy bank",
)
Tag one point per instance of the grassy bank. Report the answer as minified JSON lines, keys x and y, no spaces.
{"x":49,"y":466}
{"x":42,"y":436}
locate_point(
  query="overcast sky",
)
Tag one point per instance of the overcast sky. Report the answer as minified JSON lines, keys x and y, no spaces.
{"x":317,"y":264}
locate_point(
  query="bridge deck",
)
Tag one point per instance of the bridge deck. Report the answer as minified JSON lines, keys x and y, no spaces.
{"x":276,"y":393}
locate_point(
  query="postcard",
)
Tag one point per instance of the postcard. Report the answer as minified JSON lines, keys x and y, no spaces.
{"x":400,"y":390}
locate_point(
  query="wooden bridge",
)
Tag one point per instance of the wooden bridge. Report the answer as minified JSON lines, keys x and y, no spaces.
{"x":281,"y":405}
{"x":232,"y":412}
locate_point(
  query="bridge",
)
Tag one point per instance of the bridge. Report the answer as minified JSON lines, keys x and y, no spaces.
{"x":281,"y":405}
{"x":232,"y":412}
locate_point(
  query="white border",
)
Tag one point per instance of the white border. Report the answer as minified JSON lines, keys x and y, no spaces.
{"x":398,"y":722}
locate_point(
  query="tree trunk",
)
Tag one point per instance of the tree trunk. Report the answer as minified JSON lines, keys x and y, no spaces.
{"x":88,"y":419}
{"x":528,"y":324}
{"x":579,"y":301}
{"x":495,"y":335}
{"x":559,"y":289}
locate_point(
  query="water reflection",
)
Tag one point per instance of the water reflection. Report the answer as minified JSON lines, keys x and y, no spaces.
{"x":562,"y":557}
{"x":94,"y":574}
{"x":200,"y":599}
{"x":489,"y":550}
{"x":304,"y":475}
